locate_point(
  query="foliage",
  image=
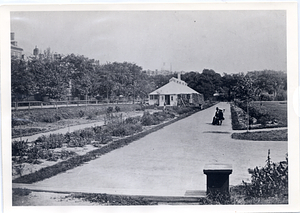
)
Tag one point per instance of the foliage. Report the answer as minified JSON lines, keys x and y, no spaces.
{"x":117,"y":108}
{"x":112,"y":200}
{"x":52,"y":141}
{"x":109,"y":110}
{"x":21,"y":192}
{"x":19,"y":148}
{"x":269,"y":181}
{"x":273,"y":135}
{"x":133,"y":120}
{"x":123,"y":129}
{"x":19,"y":121}
{"x":148,"y":119}
{"x":266,"y":113}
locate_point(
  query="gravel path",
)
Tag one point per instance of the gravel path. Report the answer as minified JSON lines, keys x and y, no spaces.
{"x":168,"y":162}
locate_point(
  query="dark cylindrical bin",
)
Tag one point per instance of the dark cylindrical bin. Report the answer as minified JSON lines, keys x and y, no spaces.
{"x":217,"y":176}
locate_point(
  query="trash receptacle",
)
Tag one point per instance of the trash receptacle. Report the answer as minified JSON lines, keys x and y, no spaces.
{"x":217,"y":176}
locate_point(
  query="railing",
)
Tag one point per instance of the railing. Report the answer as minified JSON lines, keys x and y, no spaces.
{"x":55,"y":104}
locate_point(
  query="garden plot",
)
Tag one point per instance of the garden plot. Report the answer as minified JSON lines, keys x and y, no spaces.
{"x":45,"y":151}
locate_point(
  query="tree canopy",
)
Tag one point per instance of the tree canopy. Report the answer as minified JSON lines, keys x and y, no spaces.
{"x":57,"y":77}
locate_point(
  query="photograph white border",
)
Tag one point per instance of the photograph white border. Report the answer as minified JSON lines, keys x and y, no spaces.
{"x":293,"y":120}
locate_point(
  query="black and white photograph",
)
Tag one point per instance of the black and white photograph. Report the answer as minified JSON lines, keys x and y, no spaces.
{"x":150,"y":106}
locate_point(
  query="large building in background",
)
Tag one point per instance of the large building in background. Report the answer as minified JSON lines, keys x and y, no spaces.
{"x":15,"y":50}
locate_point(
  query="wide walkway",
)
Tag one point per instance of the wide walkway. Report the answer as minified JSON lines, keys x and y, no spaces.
{"x":169,"y":161}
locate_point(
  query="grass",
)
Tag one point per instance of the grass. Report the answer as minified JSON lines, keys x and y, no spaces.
{"x":276,"y":109}
{"x":274,"y":115}
{"x":273,"y":135}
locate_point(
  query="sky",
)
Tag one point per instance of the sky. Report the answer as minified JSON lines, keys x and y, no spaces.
{"x":225,"y":41}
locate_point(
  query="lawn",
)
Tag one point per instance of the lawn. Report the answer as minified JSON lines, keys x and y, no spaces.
{"x":273,"y":135}
{"x":276,"y":109}
{"x":266,"y":114}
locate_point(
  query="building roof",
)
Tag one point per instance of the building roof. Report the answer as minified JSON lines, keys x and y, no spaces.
{"x":175,"y":86}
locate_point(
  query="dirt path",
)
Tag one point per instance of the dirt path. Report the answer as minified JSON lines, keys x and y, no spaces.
{"x":168,"y":162}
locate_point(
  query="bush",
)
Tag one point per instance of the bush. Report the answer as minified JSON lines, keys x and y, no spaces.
{"x":133,"y":120}
{"x":102,"y":138}
{"x":117,"y":109}
{"x":19,"y":148}
{"x":269,"y":181}
{"x":148,"y":119}
{"x":49,"y":118}
{"x":75,"y":140}
{"x":21,"y":192}
{"x":123,"y":129}
{"x":50,"y":142}
{"x":19,"y":121}
{"x":81,"y":113}
{"x":109,"y":110}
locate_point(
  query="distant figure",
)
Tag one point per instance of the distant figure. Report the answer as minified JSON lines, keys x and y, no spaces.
{"x":215,"y":118}
{"x":165,"y":106}
{"x":218,"y":118}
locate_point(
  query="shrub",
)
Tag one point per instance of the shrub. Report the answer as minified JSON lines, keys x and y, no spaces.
{"x":117,"y":108}
{"x":269,"y":181}
{"x":21,"y":192}
{"x":75,"y":140}
{"x":102,"y":138}
{"x":19,"y":121}
{"x":148,"y":119}
{"x":81,"y":113}
{"x":133,"y":120}
{"x":123,"y":129}
{"x":109,"y":110}
{"x":19,"y":148}
{"x":49,"y":118}
{"x":50,"y":142}
{"x":87,"y":133}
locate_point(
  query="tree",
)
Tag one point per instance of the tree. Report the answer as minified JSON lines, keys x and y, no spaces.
{"x":22,"y":84}
{"x":245,"y":92}
{"x":82,"y":74}
{"x":51,"y":77}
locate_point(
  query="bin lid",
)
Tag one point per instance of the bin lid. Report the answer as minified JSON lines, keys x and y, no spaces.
{"x":217,"y":168}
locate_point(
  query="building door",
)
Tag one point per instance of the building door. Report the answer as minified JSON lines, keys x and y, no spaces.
{"x":167,"y":99}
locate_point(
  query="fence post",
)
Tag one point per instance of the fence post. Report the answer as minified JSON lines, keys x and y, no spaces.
{"x":217,"y":179}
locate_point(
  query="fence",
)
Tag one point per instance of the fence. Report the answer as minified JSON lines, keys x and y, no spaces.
{"x":55,"y":104}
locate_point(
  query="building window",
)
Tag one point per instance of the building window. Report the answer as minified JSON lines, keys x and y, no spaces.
{"x":153,"y":97}
{"x":171,"y":98}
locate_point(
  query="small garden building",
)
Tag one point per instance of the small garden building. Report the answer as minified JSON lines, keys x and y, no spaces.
{"x":175,"y":93}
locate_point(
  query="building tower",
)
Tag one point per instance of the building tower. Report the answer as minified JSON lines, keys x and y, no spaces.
{"x":35,"y":51}
{"x":15,"y":50}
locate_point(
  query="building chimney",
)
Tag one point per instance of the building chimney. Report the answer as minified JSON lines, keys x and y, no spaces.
{"x":178,"y":76}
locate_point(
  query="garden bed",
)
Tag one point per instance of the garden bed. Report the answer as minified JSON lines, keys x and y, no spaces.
{"x":33,"y":121}
{"x":105,"y":145}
